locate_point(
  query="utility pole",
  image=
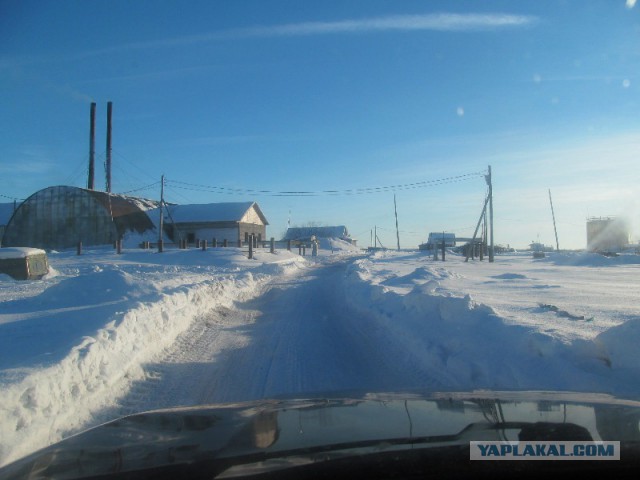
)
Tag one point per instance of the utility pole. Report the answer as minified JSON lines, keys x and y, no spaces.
{"x":554,"y":222}
{"x":475,"y":232}
{"x":395,"y":207}
{"x":489,"y":182}
{"x":160,"y":245}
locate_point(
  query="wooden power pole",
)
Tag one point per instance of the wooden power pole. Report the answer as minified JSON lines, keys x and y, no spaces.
{"x":489,"y":182}
{"x":396,"y":210}
{"x":555,"y":230}
{"x":160,"y":245}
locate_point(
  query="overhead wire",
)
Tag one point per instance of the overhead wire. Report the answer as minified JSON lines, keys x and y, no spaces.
{"x":315,"y":193}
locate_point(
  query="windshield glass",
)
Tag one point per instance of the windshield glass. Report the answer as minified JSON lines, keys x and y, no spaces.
{"x":220,"y":202}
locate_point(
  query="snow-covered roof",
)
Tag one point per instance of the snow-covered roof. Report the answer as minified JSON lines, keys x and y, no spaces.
{"x":298,"y":233}
{"x":442,"y":235}
{"x":19,"y":252}
{"x":213,"y":212}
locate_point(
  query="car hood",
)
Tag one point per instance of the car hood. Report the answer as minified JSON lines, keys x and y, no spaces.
{"x":249,"y":438}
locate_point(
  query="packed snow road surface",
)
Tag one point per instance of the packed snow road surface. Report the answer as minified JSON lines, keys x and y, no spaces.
{"x":299,"y":337}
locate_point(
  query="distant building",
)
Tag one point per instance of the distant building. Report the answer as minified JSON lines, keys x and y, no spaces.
{"x":435,"y":241}
{"x":220,"y":221}
{"x":304,"y":234}
{"x":607,"y":234}
{"x":59,"y":217}
{"x":540,"y":247}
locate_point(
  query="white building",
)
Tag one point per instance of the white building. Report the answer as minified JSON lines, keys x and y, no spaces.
{"x":220,"y":221}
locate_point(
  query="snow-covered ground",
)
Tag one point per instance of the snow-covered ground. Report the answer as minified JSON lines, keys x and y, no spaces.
{"x":105,"y":335}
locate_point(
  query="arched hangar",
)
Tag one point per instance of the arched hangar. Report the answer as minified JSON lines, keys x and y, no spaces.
{"x":59,"y":217}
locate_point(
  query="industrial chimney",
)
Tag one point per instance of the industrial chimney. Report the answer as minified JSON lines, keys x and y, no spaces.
{"x":92,"y":147}
{"x":108,"y":163}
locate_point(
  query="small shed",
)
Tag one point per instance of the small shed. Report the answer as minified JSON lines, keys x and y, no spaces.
{"x":230,"y":221}
{"x":23,"y":263}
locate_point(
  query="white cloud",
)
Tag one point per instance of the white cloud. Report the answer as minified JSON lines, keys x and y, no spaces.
{"x":444,"y":22}
{"x":435,"y":22}
{"x":631,"y":3}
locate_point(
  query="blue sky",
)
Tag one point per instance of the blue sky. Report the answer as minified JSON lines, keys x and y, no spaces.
{"x":242,"y":100}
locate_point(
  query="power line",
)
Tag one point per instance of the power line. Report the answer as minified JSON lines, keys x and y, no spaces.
{"x":12,"y":198}
{"x":311,"y":193}
{"x":146,"y":187}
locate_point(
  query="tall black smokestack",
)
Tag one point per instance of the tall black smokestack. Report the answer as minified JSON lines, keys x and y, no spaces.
{"x":109,"y":108}
{"x":92,"y":147}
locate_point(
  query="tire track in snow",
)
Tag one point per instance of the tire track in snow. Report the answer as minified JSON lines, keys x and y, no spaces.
{"x":297,"y":338}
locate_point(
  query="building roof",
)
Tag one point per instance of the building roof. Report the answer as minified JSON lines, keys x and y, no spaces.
{"x":301,"y":233}
{"x":128,"y":213}
{"x":214,"y":212}
{"x":19,"y":252}
{"x":56,"y":217}
{"x":441,"y":235}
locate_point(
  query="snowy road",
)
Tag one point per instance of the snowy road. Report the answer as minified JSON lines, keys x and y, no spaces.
{"x":215,"y":327}
{"x":297,"y":337}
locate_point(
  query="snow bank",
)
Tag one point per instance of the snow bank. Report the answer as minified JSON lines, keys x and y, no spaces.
{"x":149,"y":306}
{"x":460,"y":344}
{"x":588,"y":259}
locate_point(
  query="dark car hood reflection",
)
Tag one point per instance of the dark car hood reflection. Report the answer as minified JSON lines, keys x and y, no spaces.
{"x":235,"y":439}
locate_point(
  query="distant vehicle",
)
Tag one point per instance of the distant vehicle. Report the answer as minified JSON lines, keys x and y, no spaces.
{"x":24,"y":263}
{"x":369,"y":436}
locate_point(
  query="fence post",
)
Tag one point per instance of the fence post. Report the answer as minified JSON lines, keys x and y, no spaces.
{"x":273,"y":245}
{"x":79,"y":249}
{"x":304,"y":250}
{"x":250,"y":247}
{"x":443,"y":248}
{"x":119,"y":246}
{"x":225,"y":243}
{"x":160,"y":246}
{"x":289,"y":245}
{"x":214,"y":243}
